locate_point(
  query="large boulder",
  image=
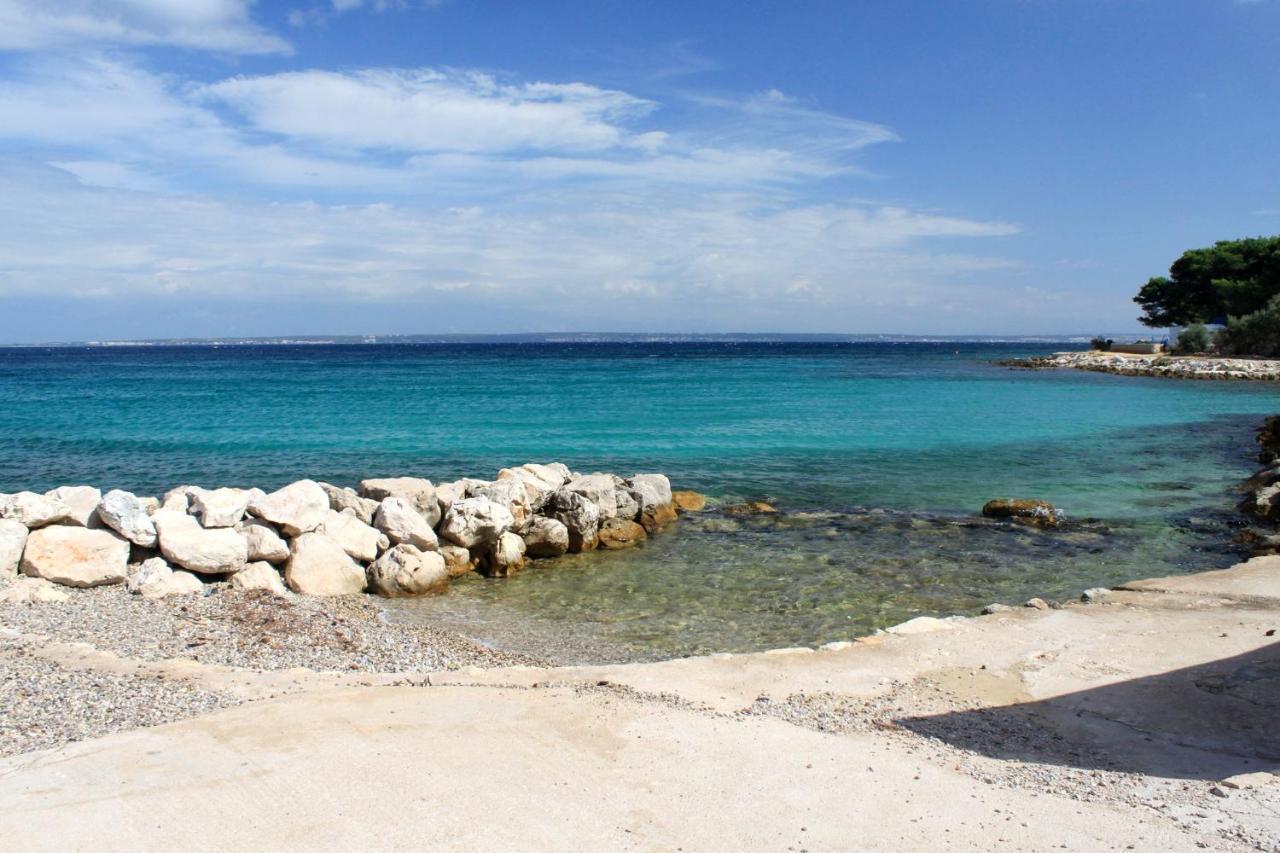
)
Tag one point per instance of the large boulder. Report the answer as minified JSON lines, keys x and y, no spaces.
{"x":600,"y":489}
{"x":319,"y":566}
{"x":579,"y":515}
{"x":264,"y":544}
{"x":221,"y":507}
{"x":658,"y":517}
{"x":359,"y":540}
{"x":33,"y":510}
{"x":126,"y":514}
{"x":156,"y":579}
{"x":82,"y":501}
{"x":32,"y":590}
{"x":512,"y":494}
{"x":458,"y":561}
{"x":343,"y":499}
{"x":473,"y":522}
{"x":1034,"y":512}
{"x":419,"y":493}
{"x":76,"y":556}
{"x":178,"y":499}
{"x":618,"y":533}
{"x":540,"y":481}
{"x":296,"y":509}
{"x":651,"y":490}
{"x":404,"y":570}
{"x":209,"y":551}
{"x":13,"y":538}
{"x":504,"y":557}
{"x":546,"y":537}
{"x":404,"y":525}
{"x":447,"y":493}
{"x":258,"y":575}
{"x":627,"y":500}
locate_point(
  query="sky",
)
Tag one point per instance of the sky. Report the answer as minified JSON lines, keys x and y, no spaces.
{"x":183,"y":168}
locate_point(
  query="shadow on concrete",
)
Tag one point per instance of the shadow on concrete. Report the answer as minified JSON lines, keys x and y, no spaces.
{"x":1202,"y":722}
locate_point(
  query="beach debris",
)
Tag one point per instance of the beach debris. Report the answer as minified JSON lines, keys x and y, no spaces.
{"x":76,"y":556}
{"x":296,"y":509}
{"x":318,"y":566}
{"x":405,"y":570}
{"x":33,"y":510}
{"x":1036,"y":513}
{"x":209,"y":551}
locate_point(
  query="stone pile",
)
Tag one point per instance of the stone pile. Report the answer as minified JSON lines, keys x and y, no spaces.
{"x":1177,"y":367}
{"x":395,"y":536}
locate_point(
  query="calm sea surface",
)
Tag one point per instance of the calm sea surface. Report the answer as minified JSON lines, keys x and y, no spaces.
{"x":878,"y":455}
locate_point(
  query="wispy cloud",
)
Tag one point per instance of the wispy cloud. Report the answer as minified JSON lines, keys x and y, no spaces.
{"x":215,"y":25}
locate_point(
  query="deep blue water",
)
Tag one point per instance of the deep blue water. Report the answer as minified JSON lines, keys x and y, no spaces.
{"x":923,"y":432}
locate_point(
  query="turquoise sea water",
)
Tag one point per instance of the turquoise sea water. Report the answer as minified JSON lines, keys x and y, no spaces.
{"x":879,"y":456}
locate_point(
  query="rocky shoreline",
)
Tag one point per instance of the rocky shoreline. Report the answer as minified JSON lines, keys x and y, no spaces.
{"x":1177,"y":367}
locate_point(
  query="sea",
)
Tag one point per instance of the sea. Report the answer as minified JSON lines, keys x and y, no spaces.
{"x":878,"y":456}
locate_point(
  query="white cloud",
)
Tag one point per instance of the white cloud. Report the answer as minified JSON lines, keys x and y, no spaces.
{"x":215,"y":25}
{"x":429,"y":110}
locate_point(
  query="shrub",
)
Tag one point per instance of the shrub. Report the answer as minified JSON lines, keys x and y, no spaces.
{"x":1256,"y":334}
{"x":1101,"y":344}
{"x":1194,"y":338}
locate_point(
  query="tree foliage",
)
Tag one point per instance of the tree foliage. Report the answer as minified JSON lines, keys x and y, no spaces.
{"x":1230,"y":278}
{"x":1194,"y":338}
{"x":1256,"y":334}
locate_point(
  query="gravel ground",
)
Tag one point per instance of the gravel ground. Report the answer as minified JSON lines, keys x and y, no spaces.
{"x":251,"y":629}
{"x":43,"y":705}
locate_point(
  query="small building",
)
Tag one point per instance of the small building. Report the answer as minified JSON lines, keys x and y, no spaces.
{"x":1140,"y":348}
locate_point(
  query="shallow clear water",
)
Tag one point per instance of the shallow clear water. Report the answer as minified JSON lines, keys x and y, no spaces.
{"x":879,"y":455}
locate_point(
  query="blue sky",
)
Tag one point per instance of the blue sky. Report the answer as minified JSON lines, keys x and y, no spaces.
{"x":224,"y":167}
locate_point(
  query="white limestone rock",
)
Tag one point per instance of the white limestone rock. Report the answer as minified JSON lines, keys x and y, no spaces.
{"x":512,"y":494}
{"x":505,"y":556}
{"x":76,"y":556}
{"x":473,"y":522}
{"x":359,"y":540}
{"x":296,"y":509}
{"x":126,"y":514}
{"x":600,"y":490}
{"x":178,"y":499}
{"x":404,"y":570}
{"x":458,"y":561}
{"x":13,"y":539}
{"x":341,"y":499}
{"x":546,"y":537}
{"x":82,"y":501}
{"x":258,"y":575}
{"x":404,"y":525}
{"x":627,"y":499}
{"x":220,"y":507}
{"x":33,"y":510}
{"x":156,"y":579}
{"x":319,"y":566}
{"x":417,"y":492}
{"x":264,"y":544}
{"x":32,"y":590}
{"x":651,"y":490}
{"x":580,"y":515}
{"x":209,"y":551}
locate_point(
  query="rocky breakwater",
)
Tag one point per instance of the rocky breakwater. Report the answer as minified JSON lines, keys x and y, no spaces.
{"x":1261,"y":502}
{"x":392,"y":536}
{"x":1178,"y":367}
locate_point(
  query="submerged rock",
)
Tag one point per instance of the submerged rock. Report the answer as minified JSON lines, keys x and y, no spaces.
{"x":319,"y":566}
{"x":76,"y":556}
{"x":751,"y":508}
{"x":404,"y":570}
{"x":686,"y":501}
{"x":296,"y":509}
{"x":617,"y":533}
{"x":1034,"y":512}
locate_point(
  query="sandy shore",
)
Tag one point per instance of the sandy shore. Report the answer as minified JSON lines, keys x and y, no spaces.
{"x":1143,"y":719}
